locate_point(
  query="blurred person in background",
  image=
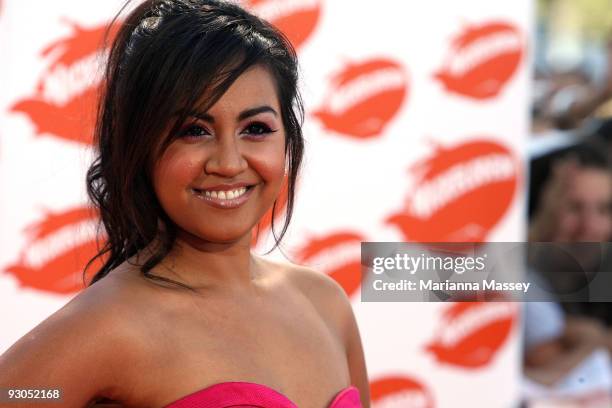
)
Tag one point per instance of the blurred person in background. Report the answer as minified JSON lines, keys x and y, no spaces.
{"x":571,"y":202}
{"x":565,"y":99}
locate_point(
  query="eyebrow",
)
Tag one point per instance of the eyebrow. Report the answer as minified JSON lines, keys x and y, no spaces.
{"x":243,"y":115}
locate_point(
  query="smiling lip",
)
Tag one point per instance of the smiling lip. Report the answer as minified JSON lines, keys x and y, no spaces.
{"x":225,"y":203}
{"x":226,"y":187}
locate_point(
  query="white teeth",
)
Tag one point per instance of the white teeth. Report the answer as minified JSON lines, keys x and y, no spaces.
{"x":226,"y":195}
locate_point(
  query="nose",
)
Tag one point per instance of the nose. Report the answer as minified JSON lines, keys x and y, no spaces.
{"x":226,"y":158}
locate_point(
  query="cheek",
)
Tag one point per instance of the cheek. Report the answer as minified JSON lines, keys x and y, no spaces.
{"x":176,"y":170}
{"x":603,"y":224}
{"x":269,"y":163}
{"x":568,"y":221}
{"x":271,"y":170}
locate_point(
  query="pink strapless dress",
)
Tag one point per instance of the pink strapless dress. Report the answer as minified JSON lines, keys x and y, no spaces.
{"x":247,"y":394}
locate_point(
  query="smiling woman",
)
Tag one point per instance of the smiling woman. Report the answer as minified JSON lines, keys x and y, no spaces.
{"x":199,"y":126}
{"x":207,"y":59}
{"x":225,"y":165}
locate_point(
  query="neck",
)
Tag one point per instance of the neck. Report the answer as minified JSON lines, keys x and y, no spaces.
{"x":211,"y":265}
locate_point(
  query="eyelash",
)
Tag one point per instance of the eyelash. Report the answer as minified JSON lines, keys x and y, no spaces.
{"x":264,"y":130}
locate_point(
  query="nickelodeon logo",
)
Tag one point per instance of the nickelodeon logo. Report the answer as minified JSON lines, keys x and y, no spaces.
{"x":364,"y":98}
{"x":338,"y":254}
{"x":450,"y":186}
{"x":296,"y":19}
{"x":472,"y":333}
{"x":460,"y":179}
{"x":482,"y":60}
{"x":58,"y":248}
{"x":400,"y":392}
{"x":63,"y":104}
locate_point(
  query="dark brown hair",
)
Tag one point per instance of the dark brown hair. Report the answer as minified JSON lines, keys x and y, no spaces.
{"x":165,"y":56}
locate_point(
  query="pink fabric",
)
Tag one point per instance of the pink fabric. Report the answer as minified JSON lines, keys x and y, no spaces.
{"x":248,"y":394}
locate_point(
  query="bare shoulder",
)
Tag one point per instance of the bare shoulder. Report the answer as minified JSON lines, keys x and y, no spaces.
{"x":77,"y":349}
{"x":315,"y":282}
{"x":108,"y":306}
{"x":334,"y":305}
{"x":324,"y":292}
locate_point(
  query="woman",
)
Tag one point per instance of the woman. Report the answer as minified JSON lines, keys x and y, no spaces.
{"x":197,"y":130}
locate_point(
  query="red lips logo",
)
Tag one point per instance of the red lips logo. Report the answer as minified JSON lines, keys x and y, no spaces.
{"x":65,"y":98}
{"x":396,"y":392}
{"x":297,"y":19}
{"x":363,"y":98}
{"x":482,"y":60}
{"x":338,"y":255}
{"x":471,"y":333}
{"x":58,"y":249}
{"x":460,"y":193}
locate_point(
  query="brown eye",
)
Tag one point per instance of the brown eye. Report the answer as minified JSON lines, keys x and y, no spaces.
{"x":193,"y":131}
{"x":258,"y":128}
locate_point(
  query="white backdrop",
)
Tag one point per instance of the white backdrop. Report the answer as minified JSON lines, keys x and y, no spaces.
{"x":417,"y":117}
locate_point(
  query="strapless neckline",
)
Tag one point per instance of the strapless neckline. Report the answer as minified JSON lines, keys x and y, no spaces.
{"x":224,"y":394}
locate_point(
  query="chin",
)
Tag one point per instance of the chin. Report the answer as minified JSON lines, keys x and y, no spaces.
{"x":223,"y":236}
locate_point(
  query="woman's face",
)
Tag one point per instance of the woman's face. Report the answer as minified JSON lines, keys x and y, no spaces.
{"x":224,"y":168}
{"x":585,"y":210}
